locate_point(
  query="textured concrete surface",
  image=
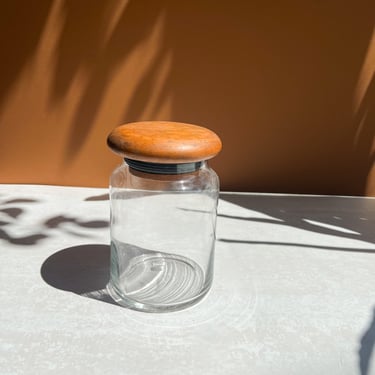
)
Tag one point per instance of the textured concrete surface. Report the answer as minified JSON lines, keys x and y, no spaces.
{"x":293,"y":293}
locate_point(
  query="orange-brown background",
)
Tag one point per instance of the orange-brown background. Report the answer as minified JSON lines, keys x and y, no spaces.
{"x":288,"y":85}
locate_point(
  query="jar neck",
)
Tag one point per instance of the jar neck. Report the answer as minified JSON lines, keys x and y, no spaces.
{"x":161,"y":168}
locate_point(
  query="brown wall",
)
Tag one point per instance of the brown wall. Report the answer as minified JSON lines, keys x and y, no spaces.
{"x":288,"y":85}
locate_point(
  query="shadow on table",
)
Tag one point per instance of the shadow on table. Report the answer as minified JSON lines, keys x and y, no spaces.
{"x":12,"y":211}
{"x":367,"y":347}
{"x":83,"y":270}
{"x":94,"y":198}
{"x":345,"y":217}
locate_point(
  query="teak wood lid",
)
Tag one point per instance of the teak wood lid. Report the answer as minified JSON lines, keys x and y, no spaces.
{"x":164,"y":142}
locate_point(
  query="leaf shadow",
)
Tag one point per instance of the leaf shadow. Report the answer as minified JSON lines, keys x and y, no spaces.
{"x":20,"y":45}
{"x":14,"y":218}
{"x":100,"y":58}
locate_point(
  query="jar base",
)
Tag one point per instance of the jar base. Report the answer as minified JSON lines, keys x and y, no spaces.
{"x":160,"y":283}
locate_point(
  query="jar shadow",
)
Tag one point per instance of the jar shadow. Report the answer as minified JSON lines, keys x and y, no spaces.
{"x":83,"y":270}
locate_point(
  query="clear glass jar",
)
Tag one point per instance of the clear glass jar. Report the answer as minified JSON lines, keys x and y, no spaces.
{"x":163,"y":218}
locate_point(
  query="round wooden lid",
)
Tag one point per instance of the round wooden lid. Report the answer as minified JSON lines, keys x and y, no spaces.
{"x":164,"y":142}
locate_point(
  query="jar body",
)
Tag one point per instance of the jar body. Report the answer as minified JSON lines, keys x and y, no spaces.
{"x":162,"y":237}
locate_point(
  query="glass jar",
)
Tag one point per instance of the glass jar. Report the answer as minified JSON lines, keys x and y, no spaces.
{"x":163,"y":215}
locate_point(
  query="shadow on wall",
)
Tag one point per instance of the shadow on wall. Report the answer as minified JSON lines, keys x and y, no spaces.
{"x":364,"y":121}
{"x":89,"y":42}
{"x":277,"y":83}
{"x":29,"y":20}
{"x":275,"y":80}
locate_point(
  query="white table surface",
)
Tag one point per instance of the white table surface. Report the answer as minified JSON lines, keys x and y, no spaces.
{"x":293,"y":292}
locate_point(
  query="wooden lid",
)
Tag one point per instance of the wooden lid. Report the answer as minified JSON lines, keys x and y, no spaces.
{"x":164,"y":142}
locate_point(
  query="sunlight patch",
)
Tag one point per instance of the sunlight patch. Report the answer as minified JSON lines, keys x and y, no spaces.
{"x":330,"y":226}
